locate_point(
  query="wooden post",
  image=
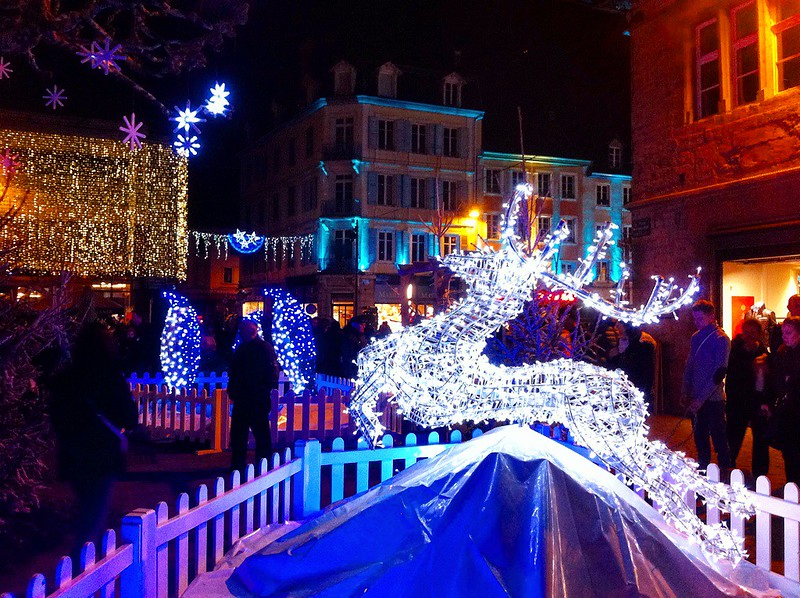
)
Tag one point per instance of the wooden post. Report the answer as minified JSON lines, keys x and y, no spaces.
{"x":139,"y":580}
{"x":306,"y":484}
{"x":220,"y":419}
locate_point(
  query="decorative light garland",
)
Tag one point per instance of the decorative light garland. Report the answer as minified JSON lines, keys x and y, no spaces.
{"x":95,"y":208}
{"x":437,"y":375}
{"x":180,"y":342}
{"x":249,"y":243}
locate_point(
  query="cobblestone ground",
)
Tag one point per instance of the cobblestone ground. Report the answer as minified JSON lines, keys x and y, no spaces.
{"x":160,"y":472}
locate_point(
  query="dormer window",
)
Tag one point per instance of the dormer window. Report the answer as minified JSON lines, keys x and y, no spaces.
{"x":344,"y":78}
{"x":387,"y":80}
{"x":615,"y":154}
{"x":451,"y":90}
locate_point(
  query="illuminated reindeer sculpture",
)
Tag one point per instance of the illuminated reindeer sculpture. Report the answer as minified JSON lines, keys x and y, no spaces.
{"x":436,"y":373}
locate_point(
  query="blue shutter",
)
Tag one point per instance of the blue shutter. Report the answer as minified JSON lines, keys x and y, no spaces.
{"x":405,"y":198}
{"x":372,"y":188}
{"x":433,"y":245}
{"x":430,"y":135}
{"x":431,"y":194}
{"x":438,"y":139}
{"x":373,"y":247}
{"x":401,"y":249}
{"x":463,"y":143}
{"x":372,"y":132}
{"x":397,"y":182}
{"x":402,"y":129}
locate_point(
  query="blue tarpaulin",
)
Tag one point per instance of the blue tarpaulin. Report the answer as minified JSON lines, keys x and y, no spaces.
{"x":510,"y":513}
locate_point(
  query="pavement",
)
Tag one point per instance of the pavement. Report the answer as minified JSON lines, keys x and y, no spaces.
{"x":162,"y":471}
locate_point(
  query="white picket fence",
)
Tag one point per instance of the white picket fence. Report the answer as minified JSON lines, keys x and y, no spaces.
{"x":161,"y":555}
{"x":202,"y":413}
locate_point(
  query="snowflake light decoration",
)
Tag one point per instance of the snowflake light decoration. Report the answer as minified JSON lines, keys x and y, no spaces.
{"x":245,"y":242}
{"x":89,"y":55}
{"x":5,"y":68}
{"x":218,"y":103}
{"x":187,"y":119}
{"x":55,"y":97}
{"x":131,"y":129}
{"x":9,"y":162}
{"x":102,"y":57}
{"x":437,"y":374}
{"x":186,"y":146}
{"x":106,"y":57}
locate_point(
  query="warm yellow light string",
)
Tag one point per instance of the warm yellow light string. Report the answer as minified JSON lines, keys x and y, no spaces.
{"x":96,"y":208}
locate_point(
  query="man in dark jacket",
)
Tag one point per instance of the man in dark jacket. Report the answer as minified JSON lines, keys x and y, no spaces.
{"x":253,"y":374}
{"x":703,"y":385}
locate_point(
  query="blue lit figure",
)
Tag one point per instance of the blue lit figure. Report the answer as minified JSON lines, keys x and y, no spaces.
{"x":293,"y":339}
{"x":245,"y":242}
{"x":180,"y":342}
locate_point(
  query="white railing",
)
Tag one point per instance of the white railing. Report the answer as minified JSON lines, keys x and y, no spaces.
{"x":156,"y":560}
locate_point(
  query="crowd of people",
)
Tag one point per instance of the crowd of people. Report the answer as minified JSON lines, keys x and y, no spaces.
{"x":752,"y":381}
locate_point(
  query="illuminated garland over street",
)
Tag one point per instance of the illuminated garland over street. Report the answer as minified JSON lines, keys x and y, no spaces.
{"x":249,"y":243}
{"x":437,"y":375}
{"x":180,"y":342}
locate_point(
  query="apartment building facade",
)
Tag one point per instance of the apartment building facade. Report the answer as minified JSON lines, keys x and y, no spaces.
{"x":384,"y":184}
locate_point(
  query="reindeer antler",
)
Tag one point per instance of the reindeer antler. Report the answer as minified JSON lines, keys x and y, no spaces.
{"x":665,"y":298}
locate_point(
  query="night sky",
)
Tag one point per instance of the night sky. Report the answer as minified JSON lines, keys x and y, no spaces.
{"x":565,"y":65}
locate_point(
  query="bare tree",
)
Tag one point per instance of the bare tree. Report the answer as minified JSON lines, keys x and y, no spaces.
{"x":27,"y":330}
{"x":157,"y":37}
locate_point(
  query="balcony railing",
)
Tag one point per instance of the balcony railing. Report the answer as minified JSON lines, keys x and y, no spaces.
{"x":341,"y":151}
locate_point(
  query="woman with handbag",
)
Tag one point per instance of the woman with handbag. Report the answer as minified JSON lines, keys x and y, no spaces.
{"x":784,"y":391}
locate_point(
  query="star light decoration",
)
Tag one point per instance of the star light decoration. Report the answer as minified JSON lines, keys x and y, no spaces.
{"x":102,"y":57}
{"x":187,"y":119}
{"x":180,"y":342}
{"x":55,"y":97}
{"x":5,"y":68}
{"x":9,"y":162}
{"x":217,"y":104}
{"x":245,"y":242}
{"x":131,"y":129}
{"x":186,"y":146}
{"x":437,"y":374}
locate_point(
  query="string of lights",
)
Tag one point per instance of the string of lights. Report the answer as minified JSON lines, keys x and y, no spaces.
{"x":180,"y":342}
{"x":293,"y":339}
{"x":93,"y":207}
{"x":248,"y":243}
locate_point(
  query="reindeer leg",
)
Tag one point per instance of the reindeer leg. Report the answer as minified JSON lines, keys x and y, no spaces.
{"x":364,"y":407}
{"x":606,"y":414}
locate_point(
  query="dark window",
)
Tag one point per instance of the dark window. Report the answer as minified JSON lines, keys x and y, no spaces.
{"x":745,"y":52}
{"x":309,"y":142}
{"x":386,"y":134}
{"x":344,"y":192}
{"x":418,"y":145}
{"x":492,"y":180}
{"x":708,"y":77}
{"x":787,"y":32}
{"x":450,"y":142}
{"x":291,"y":202}
{"x":227,"y":275}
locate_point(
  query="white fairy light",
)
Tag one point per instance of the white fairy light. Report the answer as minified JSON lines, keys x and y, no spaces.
{"x":437,"y":375}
